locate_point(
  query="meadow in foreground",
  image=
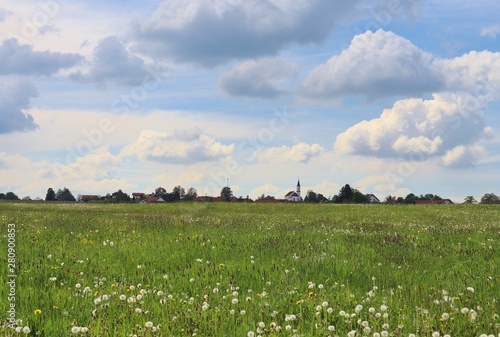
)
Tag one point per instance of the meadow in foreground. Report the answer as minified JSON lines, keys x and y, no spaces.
{"x":216,"y":269}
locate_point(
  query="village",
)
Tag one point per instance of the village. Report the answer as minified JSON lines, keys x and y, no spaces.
{"x":347,"y":194}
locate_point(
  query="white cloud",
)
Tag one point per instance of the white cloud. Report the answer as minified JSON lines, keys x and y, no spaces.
{"x":300,"y":152}
{"x":375,"y":64}
{"x":180,"y":147}
{"x":15,"y":99}
{"x":491,"y":31}
{"x":257,"y":78}
{"x":418,"y":129}
{"x":463,"y":156}
{"x":211,"y":32}
{"x":113,"y":63}
{"x":384,"y":64}
{"x":23,"y":60}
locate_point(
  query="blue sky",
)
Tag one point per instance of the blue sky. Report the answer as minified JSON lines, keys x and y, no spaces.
{"x":392,"y":97}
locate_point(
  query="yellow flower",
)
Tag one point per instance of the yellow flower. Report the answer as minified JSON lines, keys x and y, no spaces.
{"x":38,"y":312}
{"x":311,"y":293}
{"x":221,"y":264}
{"x":298,"y":302}
{"x":95,"y":294}
{"x":113,"y":285}
{"x":55,"y":307}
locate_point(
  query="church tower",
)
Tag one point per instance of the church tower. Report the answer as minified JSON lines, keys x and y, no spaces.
{"x":298,"y":188}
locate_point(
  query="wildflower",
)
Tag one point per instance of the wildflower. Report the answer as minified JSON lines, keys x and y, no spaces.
{"x":470,"y":289}
{"x":234,"y":301}
{"x":251,"y":334}
{"x":436,"y":334}
{"x":148,"y":324}
{"x":221,"y":264}
{"x":329,"y":310}
{"x":75,"y":329}
{"x":331,"y":328}
{"x":78,"y":286}
{"x":384,"y":333}
{"x":262,"y":325}
{"x":445,"y":316}
{"x":138,"y":310}
{"x":324,"y":304}
{"x":359,"y":307}
{"x":38,"y":312}
{"x":26,"y":330}
{"x":84,"y":329}
{"x":351,"y":333}
{"x":243,"y":312}
{"x":383,"y":307}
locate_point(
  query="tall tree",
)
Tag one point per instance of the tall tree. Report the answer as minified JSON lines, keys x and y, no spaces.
{"x":470,"y":200}
{"x":160,"y":191}
{"x":311,"y":196}
{"x":51,"y":195}
{"x":226,"y":192}
{"x":191,"y":194}
{"x":65,"y":195}
{"x":120,"y":196}
{"x":410,"y":198}
{"x":345,"y":194}
{"x":178,"y":192}
{"x":490,"y":198}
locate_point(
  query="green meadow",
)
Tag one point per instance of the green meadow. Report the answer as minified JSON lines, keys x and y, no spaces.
{"x":220,"y":269}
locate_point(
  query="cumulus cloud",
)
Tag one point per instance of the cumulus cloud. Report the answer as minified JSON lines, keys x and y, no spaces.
{"x":180,"y":147}
{"x":113,"y":63}
{"x":420,"y":129}
{"x":300,"y":153}
{"x":212,"y":32}
{"x":491,"y":31}
{"x":474,"y":72}
{"x":375,"y":64}
{"x":14,"y":101}
{"x":463,"y":156}
{"x":19,"y":59}
{"x":257,"y":78}
{"x":381,"y":63}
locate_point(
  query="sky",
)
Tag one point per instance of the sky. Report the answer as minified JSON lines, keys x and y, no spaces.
{"x":390,"y":96}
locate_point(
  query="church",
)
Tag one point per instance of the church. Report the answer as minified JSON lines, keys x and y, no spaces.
{"x":294,"y":196}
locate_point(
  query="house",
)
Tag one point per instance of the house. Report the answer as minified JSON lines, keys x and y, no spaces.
{"x":372,"y":198}
{"x":154,"y":200}
{"x":89,"y":197}
{"x":138,"y":196}
{"x":294,"y":196}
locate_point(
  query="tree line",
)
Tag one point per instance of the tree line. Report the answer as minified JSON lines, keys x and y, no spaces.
{"x":346,"y":194}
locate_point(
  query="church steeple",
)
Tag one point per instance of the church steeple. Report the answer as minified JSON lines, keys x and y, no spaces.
{"x":298,"y":187}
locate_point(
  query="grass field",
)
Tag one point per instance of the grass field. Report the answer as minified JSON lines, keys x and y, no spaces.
{"x":217,"y":269}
